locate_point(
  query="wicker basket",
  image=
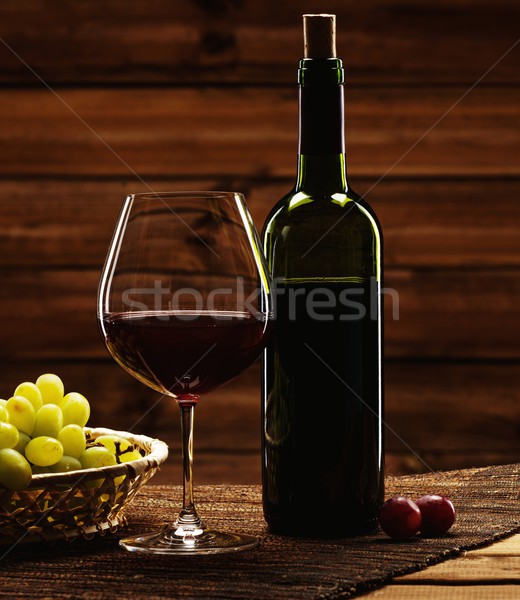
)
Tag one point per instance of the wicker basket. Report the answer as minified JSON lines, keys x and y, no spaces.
{"x":79,"y":503}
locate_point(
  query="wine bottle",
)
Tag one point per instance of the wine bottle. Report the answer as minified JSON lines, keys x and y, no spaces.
{"x":322,"y":397}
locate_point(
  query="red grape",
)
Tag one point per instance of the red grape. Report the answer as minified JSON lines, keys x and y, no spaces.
{"x":438,"y":514}
{"x":400,"y":518}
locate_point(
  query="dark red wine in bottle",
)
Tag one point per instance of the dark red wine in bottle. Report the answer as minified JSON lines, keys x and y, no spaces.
{"x":322,"y":454}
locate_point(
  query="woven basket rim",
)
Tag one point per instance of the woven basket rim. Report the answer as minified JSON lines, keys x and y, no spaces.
{"x":157,"y":455}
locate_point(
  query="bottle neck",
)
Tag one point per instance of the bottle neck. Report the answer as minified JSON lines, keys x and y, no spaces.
{"x":321,"y":153}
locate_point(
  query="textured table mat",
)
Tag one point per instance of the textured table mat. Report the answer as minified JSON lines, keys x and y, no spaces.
{"x":487,"y":500}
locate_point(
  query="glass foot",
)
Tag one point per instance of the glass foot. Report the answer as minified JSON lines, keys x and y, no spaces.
{"x":190,"y":542}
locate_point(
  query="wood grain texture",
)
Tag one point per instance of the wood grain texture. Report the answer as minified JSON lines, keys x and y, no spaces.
{"x":429,"y":222}
{"x":490,"y":572}
{"x":254,"y":42}
{"x":431,"y":314}
{"x":441,"y":592}
{"x":491,"y":564}
{"x":201,"y":94}
{"x":478,"y":570}
{"x":438,"y":416}
{"x":510,"y":547}
{"x":222,"y":132}
{"x":452,"y":314}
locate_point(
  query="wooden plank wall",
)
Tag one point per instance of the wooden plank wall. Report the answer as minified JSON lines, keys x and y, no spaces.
{"x":101,"y":98}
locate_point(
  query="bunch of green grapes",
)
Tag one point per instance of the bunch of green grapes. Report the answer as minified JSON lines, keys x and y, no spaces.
{"x":41,"y":431}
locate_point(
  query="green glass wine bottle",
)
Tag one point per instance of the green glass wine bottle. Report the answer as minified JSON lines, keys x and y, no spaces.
{"x":322,"y":397}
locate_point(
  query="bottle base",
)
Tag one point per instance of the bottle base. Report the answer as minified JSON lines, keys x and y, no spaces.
{"x":308,"y":529}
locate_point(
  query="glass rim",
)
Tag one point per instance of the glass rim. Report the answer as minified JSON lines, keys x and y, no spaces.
{"x":186,"y":194}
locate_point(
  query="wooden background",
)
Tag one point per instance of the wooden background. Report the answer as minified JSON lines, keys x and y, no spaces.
{"x":101,"y":98}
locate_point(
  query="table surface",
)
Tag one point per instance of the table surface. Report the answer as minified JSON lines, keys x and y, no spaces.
{"x":491,"y":573}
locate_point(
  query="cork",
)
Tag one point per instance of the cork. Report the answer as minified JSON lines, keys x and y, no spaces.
{"x":319,"y":36}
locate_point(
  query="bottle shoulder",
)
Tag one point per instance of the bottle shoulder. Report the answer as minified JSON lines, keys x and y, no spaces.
{"x":344,"y":210}
{"x":331,"y":236}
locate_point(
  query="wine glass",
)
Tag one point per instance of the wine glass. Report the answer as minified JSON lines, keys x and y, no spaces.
{"x":183,"y":305}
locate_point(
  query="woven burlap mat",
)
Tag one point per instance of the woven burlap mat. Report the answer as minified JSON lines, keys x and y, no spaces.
{"x":487,"y":501}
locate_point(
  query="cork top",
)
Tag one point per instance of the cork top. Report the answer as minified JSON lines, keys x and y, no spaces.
{"x":319,"y":36}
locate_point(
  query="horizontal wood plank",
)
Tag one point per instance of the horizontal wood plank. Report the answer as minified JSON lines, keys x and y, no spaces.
{"x":510,"y":547}
{"x":429,"y":424}
{"x":481,"y":570}
{"x":253,"y":42}
{"x":225,"y":133}
{"x":495,"y":567}
{"x":430,"y":221}
{"x":426,"y":222}
{"x":430,"y":314}
{"x":469,"y":406}
{"x":442,"y":592}
{"x":452,"y":314}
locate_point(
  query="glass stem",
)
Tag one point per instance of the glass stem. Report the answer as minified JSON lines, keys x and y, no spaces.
{"x":188,"y":519}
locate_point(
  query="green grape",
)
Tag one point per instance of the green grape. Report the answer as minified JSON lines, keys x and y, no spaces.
{"x":9,"y":436}
{"x":3,"y":402}
{"x":44,"y":451}
{"x":96,"y":457}
{"x":76,"y":409}
{"x":51,"y":388}
{"x":4,"y":415}
{"x":49,"y":421}
{"x":23,"y":440}
{"x":73,"y":440}
{"x":114,"y":443}
{"x":15,"y":471}
{"x":21,"y":414}
{"x":30,"y":391}
{"x":66,"y":463}
{"x":128,"y":456}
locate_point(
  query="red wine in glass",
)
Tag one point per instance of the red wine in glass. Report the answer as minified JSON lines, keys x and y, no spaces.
{"x":185,"y":351}
{"x":184,"y":306}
